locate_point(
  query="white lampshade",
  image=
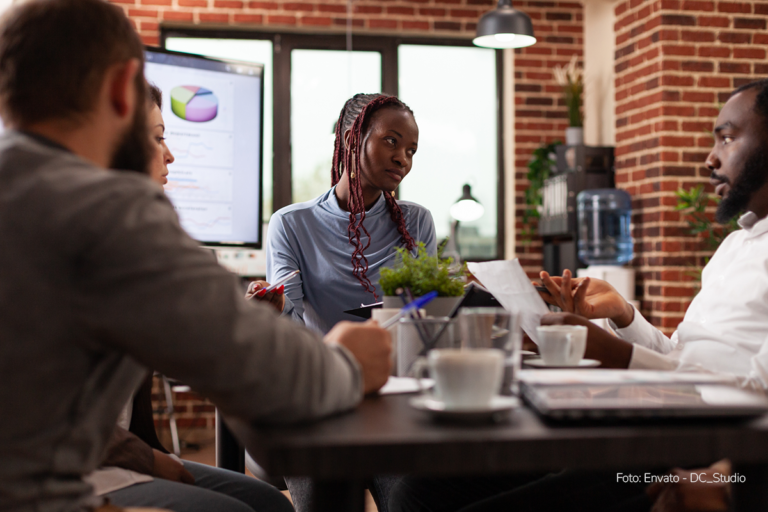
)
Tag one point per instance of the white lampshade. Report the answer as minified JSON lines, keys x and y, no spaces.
{"x":467,"y":210}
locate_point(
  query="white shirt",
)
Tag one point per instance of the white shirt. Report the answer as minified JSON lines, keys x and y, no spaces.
{"x":725,"y":329}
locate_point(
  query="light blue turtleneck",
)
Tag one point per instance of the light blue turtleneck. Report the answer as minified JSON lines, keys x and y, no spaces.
{"x":312,"y":237}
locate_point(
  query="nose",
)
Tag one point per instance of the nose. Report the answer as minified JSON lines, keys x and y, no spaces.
{"x":712,"y":162}
{"x":169,"y":158}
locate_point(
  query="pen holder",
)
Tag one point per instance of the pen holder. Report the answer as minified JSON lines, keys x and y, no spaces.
{"x":381,"y":315}
{"x":414,"y":335}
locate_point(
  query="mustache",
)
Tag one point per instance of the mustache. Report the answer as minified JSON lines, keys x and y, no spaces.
{"x":719,"y":177}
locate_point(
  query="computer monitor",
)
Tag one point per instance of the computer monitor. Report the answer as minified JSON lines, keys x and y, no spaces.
{"x":213,"y":113}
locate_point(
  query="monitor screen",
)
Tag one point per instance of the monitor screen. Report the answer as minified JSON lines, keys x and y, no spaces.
{"x":213,"y":112}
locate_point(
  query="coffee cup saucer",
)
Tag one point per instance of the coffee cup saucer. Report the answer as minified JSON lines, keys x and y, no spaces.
{"x":497,"y":410}
{"x":584,"y":363}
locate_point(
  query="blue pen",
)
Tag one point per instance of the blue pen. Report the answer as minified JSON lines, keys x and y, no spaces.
{"x":416,"y":304}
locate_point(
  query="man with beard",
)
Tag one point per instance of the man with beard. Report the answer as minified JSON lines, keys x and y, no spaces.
{"x":725,"y":327}
{"x":98,"y":280}
{"x":724,"y":331}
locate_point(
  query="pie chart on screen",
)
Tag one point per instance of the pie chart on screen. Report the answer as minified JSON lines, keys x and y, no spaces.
{"x":194,"y":103}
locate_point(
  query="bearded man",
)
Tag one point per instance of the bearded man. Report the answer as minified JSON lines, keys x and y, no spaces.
{"x":98,"y":280}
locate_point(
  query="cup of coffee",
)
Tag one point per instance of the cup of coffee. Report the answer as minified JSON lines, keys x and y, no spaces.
{"x":464,"y":379}
{"x":562,"y":345}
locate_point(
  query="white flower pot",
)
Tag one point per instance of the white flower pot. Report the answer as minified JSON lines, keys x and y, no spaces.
{"x":574,"y":136}
{"x":440,"y":306}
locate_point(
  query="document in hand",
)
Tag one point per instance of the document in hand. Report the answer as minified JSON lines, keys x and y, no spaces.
{"x":507,"y":281}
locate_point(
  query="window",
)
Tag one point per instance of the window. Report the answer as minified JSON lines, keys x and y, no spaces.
{"x":321,"y":81}
{"x":452,"y":92}
{"x":451,"y":86}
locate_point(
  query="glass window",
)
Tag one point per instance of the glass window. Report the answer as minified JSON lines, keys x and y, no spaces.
{"x":247,"y":50}
{"x":321,"y":81}
{"x":452,"y":91}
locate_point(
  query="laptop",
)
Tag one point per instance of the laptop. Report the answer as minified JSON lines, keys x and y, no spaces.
{"x":633,"y":398}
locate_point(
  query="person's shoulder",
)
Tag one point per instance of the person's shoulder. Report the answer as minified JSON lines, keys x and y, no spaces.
{"x":300,"y":210}
{"x":414,"y":212}
{"x":39,"y":169}
{"x":411,"y":207}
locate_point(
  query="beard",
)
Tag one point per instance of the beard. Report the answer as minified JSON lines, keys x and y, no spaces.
{"x":134,"y":150}
{"x":752,"y":178}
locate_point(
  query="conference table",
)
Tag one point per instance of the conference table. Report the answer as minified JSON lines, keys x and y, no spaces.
{"x":386,"y":436}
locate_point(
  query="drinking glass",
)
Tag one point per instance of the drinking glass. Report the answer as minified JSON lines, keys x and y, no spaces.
{"x":494,"y":328}
{"x":417,"y":336}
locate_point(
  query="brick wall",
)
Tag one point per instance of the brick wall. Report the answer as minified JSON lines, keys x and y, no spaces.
{"x":676,"y":62}
{"x":195,"y":416}
{"x":540,"y":111}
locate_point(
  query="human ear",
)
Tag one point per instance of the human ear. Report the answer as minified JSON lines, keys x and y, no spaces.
{"x":347,"y":136}
{"x":121,"y":87}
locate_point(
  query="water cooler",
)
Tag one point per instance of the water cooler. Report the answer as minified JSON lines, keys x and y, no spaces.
{"x":605,"y":241}
{"x":579,"y":168}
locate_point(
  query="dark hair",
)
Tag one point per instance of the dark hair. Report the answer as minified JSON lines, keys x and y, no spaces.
{"x":54,"y":55}
{"x":356,"y":116}
{"x":761,"y":100}
{"x":155,"y":95}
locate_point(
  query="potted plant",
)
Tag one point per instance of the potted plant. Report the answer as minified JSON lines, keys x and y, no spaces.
{"x":571,"y":78}
{"x":422,"y":274}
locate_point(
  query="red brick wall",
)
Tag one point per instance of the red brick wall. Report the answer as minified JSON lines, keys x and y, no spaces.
{"x":676,"y":61}
{"x":540,"y":112}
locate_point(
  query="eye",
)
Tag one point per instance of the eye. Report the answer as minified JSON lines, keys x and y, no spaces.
{"x":390,"y":140}
{"x":159,"y":140}
{"x":412,"y":152}
{"x":727,"y":139}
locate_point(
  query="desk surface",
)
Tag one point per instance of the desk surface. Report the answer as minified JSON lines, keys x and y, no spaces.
{"x":386,"y":436}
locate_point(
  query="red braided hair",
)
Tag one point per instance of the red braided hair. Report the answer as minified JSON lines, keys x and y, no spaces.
{"x":355,"y":116}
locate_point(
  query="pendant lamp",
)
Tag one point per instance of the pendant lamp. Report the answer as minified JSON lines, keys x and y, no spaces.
{"x":504,"y":27}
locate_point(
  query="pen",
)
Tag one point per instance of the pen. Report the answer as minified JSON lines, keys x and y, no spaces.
{"x":278,"y":284}
{"x":416,"y":304}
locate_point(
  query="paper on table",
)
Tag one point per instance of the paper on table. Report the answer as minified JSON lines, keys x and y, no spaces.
{"x":401,"y":385}
{"x":507,"y":282}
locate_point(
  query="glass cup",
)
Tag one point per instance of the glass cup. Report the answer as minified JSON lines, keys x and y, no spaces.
{"x":417,"y":336}
{"x":484,"y":328}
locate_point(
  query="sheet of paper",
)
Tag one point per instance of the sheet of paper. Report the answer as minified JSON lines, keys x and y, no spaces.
{"x":402,"y":385}
{"x":507,"y":281}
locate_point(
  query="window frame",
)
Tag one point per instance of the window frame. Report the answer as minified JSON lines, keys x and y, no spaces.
{"x":282,"y":45}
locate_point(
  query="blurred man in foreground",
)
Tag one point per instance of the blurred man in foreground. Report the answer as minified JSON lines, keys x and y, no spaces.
{"x":98,"y":280}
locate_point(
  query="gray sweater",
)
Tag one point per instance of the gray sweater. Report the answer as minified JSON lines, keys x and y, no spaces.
{"x":97,"y":282}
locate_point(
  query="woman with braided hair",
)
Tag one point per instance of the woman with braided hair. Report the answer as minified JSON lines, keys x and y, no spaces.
{"x":341,"y":240}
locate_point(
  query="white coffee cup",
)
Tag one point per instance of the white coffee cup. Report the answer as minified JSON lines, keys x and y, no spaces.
{"x":464,"y":379}
{"x":562,"y":345}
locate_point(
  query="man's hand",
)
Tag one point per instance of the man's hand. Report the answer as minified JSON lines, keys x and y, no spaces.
{"x":167,"y":468}
{"x":688,"y":495}
{"x":611,"y":351}
{"x":371,"y":345}
{"x":276,"y":297}
{"x":590,"y":298}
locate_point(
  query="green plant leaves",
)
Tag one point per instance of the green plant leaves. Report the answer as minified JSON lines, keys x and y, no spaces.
{"x":421,"y":274}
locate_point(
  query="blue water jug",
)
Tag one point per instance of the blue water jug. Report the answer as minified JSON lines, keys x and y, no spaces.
{"x":604,"y":236}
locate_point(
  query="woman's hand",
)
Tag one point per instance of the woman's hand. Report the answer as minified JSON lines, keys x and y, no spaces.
{"x":168,"y":468}
{"x":590,"y":298}
{"x":275,"y":297}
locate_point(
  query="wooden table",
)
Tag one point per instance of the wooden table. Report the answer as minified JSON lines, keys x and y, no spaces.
{"x":386,"y":436}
